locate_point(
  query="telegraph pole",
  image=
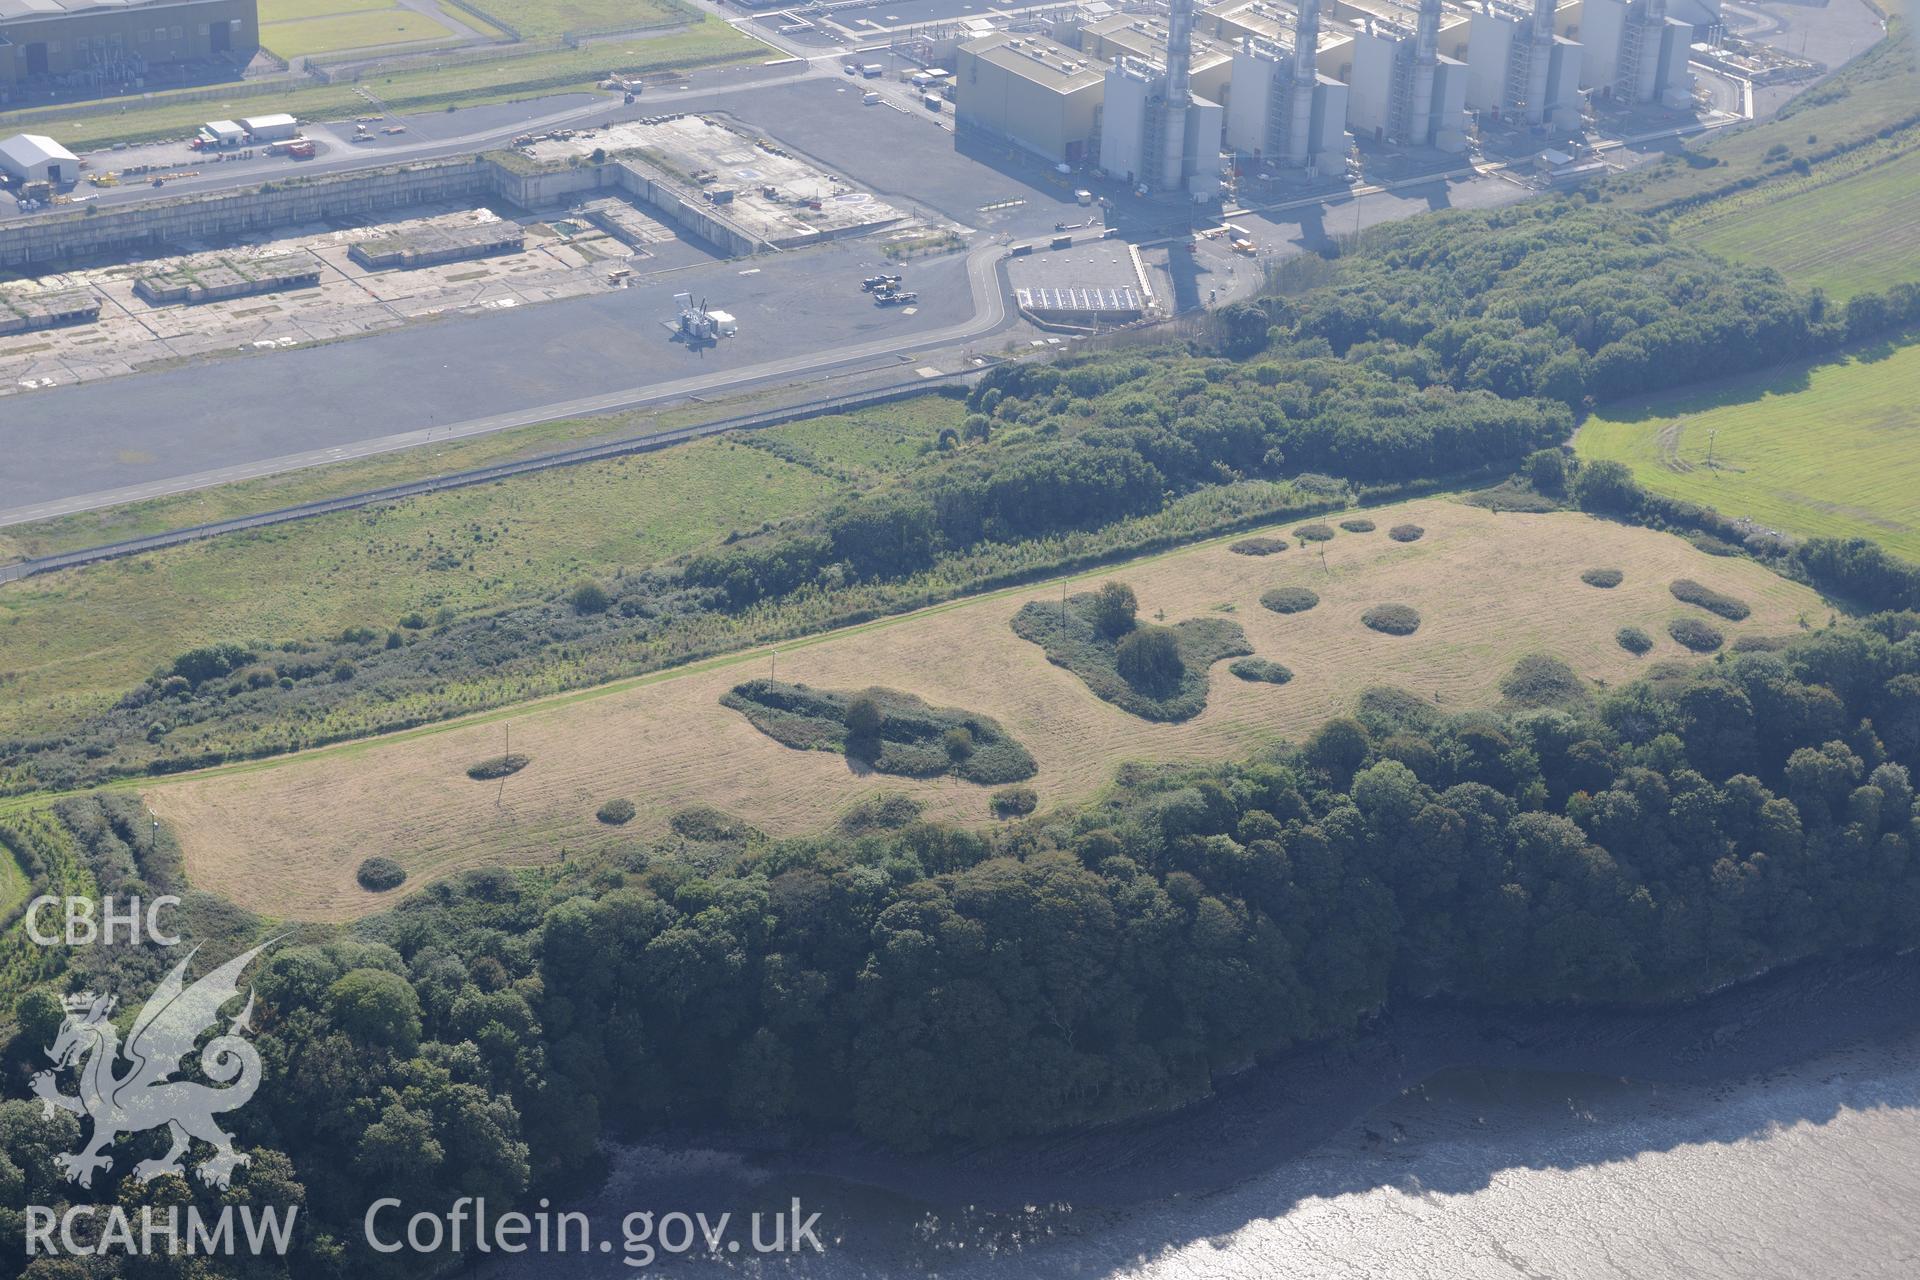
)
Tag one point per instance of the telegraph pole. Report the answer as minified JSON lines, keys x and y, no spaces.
{"x":506,"y":767}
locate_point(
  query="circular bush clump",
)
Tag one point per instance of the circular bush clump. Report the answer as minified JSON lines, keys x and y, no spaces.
{"x":1603,"y":577}
{"x":1633,"y":640}
{"x":498,"y":767}
{"x":1539,"y":680}
{"x":1290,"y":599}
{"x":1358,"y":525}
{"x":1260,"y":671}
{"x":704,"y":822}
{"x":1258,"y":546}
{"x":1314,"y":533}
{"x":886,"y":811}
{"x":1393,"y":619}
{"x":1406,"y":533}
{"x":377,"y":875}
{"x":616,"y":813}
{"x":1014,"y":802}
{"x":1695,"y":634}
{"x":1148,"y":658}
{"x":1691,"y":592}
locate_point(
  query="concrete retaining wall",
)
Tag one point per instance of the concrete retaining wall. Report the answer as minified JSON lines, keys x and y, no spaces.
{"x":109,"y":230}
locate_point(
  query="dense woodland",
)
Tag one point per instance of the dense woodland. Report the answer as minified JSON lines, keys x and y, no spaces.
{"x":927,"y":985}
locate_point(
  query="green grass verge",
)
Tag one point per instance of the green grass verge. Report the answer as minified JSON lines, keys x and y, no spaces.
{"x":537,"y":18}
{"x":878,"y":441}
{"x":367,"y":29}
{"x":1826,"y":450}
{"x":708,"y":42}
{"x":14,"y":884}
{"x":1849,"y":235}
{"x":463,"y":551}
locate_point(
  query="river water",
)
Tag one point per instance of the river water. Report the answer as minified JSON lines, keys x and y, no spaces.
{"x":1809,"y":1169}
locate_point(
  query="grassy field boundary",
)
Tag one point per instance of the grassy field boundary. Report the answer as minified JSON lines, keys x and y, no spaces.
{"x":446,"y":82}
{"x":668,"y":741}
{"x":627,"y":447}
{"x":720,"y":662}
{"x":1822,"y":448}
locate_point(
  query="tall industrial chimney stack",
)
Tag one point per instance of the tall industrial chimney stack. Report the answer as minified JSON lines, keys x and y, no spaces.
{"x":1540,"y":57}
{"x":1426,"y":53}
{"x":1306,"y":52}
{"x":1179,"y":89}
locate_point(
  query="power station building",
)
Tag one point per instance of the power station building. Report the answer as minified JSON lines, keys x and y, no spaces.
{"x":1521,"y":63}
{"x":1401,"y":88}
{"x":107,"y":45}
{"x":1405,"y":72}
{"x":1283,"y":108}
{"x":1636,"y":52}
{"x":1031,"y":93}
{"x":1157,"y":129}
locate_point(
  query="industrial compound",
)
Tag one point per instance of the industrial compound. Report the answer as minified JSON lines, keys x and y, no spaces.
{"x":1170,"y":100}
{"x":1007,"y":183}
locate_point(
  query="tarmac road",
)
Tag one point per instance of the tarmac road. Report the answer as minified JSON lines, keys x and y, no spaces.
{"x":62,"y":446}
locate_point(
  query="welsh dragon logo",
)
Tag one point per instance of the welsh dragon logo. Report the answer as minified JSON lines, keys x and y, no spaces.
{"x":145,"y":1096}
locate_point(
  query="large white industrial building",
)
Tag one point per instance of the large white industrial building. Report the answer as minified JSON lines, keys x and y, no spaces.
{"x":33,"y":157}
{"x":1154,"y":129}
{"x":1154,"y":100}
{"x":1520,"y":62}
{"x":1282,"y":108}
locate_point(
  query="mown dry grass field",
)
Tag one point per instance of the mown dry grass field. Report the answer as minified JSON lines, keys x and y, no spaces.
{"x":283,"y":838}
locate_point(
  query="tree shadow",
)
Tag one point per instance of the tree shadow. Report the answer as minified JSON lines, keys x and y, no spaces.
{"x":1341,"y":1119}
{"x":1751,"y":388}
{"x":1437,"y":1098}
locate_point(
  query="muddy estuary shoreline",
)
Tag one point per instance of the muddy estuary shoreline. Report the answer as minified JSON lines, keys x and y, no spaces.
{"x":1772,"y":1128}
{"x":1283,"y":1108}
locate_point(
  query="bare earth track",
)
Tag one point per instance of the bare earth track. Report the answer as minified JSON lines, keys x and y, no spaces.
{"x":284,"y":838}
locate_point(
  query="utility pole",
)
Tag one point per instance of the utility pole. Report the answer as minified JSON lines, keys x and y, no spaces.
{"x":506,"y":768}
{"x":1710,"y":435}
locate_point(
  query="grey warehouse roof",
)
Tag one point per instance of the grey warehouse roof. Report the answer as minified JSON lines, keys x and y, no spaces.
{"x":21,"y":10}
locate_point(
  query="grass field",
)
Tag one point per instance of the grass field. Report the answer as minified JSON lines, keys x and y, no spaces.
{"x":536,"y":18}
{"x":708,"y":42}
{"x":1823,"y":192}
{"x":355,"y":26}
{"x":284,"y":837}
{"x":1831,"y":449}
{"x":14,"y":885}
{"x":248,"y":497}
{"x":527,"y":538}
{"x":1848,"y":235}
{"x":1870,"y":101}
